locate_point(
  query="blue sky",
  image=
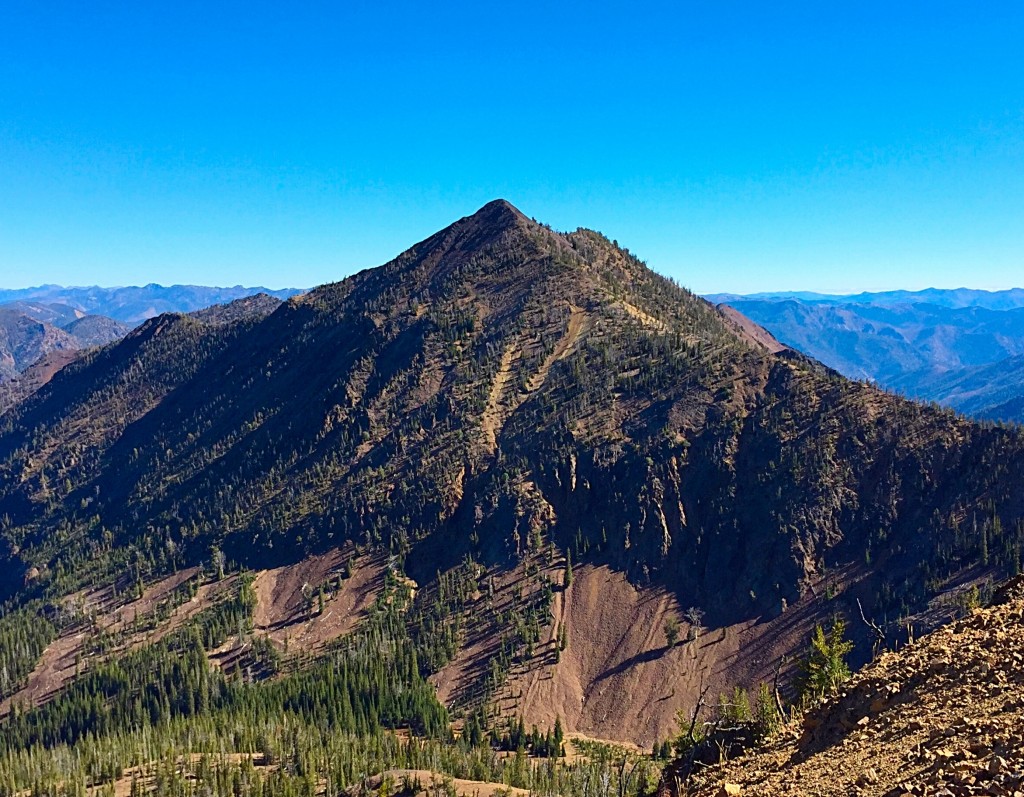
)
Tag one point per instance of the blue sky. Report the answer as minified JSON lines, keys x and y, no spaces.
{"x":735,"y":146}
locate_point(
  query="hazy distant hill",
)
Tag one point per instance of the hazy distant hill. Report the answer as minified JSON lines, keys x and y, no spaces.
{"x":33,"y":351}
{"x":133,"y":305}
{"x":942,"y":297}
{"x":995,"y":390}
{"x":28,"y":331}
{"x":23,"y":340}
{"x":55,"y":313}
{"x":951,"y":348}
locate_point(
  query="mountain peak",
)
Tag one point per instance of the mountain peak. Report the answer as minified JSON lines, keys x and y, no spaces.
{"x":449,"y":255}
{"x":496,"y":216}
{"x":495,"y":399}
{"x":500,"y":208}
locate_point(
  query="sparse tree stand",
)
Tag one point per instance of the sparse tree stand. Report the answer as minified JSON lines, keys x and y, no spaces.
{"x":217,"y":561}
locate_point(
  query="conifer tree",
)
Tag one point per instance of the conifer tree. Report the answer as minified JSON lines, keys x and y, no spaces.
{"x":825,"y":667}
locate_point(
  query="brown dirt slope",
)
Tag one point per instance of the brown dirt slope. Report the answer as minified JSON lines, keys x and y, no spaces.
{"x":281,"y":610}
{"x":34,"y":377}
{"x":102,"y":613}
{"x":754,"y":333}
{"x":434,"y":783}
{"x":618,"y":680}
{"x":281,"y":614}
{"x":942,"y":716}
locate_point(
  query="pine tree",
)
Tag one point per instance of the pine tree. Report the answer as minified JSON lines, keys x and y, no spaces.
{"x":766,"y":715}
{"x":671,"y":629}
{"x":825,"y":667}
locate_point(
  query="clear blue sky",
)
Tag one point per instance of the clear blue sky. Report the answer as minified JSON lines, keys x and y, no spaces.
{"x":736,"y":146}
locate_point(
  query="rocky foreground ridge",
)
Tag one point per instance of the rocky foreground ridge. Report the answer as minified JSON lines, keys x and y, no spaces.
{"x":942,"y":716}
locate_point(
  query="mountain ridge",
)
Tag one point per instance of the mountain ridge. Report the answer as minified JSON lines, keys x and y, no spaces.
{"x":30,"y":331}
{"x":495,"y":405}
{"x":134,"y":304}
{"x":927,"y":351}
{"x":953,"y":298}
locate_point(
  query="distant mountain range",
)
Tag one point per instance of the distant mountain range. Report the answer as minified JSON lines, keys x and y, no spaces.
{"x":134,"y":304}
{"x":38,"y":340}
{"x":942,"y":297}
{"x":961,"y":348}
{"x":36,"y":323}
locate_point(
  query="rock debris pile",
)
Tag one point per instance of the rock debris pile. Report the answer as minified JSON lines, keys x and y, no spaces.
{"x":941,"y":717}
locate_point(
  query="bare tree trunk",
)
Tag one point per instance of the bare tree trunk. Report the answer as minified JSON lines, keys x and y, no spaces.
{"x":878,"y":632}
{"x":775,"y":689}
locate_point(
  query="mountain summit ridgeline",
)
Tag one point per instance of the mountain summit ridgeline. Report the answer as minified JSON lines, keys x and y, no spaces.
{"x":561,"y":448}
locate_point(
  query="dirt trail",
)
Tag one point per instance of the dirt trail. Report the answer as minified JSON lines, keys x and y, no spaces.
{"x":426,"y":778}
{"x":493,"y":418}
{"x":577,"y":322}
{"x":429,"y":781}
{"x":642,"y":317}
{"x":499,"y":406}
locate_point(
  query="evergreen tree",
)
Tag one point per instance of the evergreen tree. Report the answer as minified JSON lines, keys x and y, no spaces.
{"x":825,"y":667}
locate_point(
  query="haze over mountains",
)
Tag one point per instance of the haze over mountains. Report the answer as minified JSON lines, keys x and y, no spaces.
{"x":961,"y":348}
{"x":30,"y":330}
{"x":943,"y":297}
{"x":35,"y":350}
{"x":52,"y":320}
{"x":134,"y":304}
